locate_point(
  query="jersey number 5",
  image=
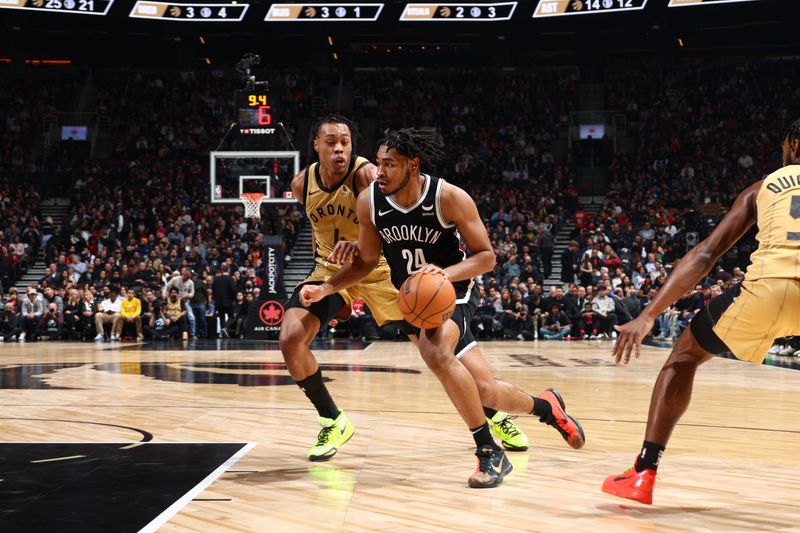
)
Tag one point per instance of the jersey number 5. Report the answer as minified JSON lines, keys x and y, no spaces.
{"x":794,"y":211}
{"x":416,"y":260}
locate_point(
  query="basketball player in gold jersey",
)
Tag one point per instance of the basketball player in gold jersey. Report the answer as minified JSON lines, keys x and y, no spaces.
{"x":745,"y":320}
{"x":328,"y":191}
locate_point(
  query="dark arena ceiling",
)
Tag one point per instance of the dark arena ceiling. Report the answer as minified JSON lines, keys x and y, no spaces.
{"x":392,"y":32}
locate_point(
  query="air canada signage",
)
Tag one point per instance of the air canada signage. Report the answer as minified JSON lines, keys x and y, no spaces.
{"x":266,"y":321}
{"x":271,"y":313}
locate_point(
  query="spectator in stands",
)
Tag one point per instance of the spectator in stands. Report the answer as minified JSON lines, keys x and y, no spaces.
{"x":545,"y":242}
{"x":198,"y":304}
{"x":557,"y":325}
{"x":130,"y":313}
{"x":604,"y":309}
{"x":483,"y":320}
{"x":88,"y":311}
{"x":235,"y":325}
{"x":9,"y":323}
{"x":175,"y":309}
{"x":161,"y":326}
{"x":570,"y":261}
{"x":31,"y":311}
{"x":210,"y":314}
{"x":631,"y":302}
{"x":148,"y":302}
{"x":185,"y":285}
{"x":107,"y":313}
{"x":50,"y":324}
{"x":72,"y":315}
{"x":510,"y":269}
{"x":224,"y":292}
{"x":47,"y":229}
{"x":50,"y":296}
{"x":14,"y":300}
{"x":522,"y":327}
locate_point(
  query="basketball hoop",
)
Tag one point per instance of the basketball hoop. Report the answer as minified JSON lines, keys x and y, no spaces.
{"x":252,"y":204}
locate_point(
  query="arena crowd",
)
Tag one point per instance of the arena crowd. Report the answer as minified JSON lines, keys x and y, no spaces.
{"x":143,"y":253}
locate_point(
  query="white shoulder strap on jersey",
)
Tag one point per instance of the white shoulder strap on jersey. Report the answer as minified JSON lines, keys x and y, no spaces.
{"x":439,"y":186}
{"x":372,"y":203}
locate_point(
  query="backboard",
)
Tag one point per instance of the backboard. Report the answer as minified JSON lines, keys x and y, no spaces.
{"x":270,"y":173}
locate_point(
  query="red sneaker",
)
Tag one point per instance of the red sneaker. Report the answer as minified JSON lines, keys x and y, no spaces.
{"x":637,"y":486}
{"x":570,"y":428}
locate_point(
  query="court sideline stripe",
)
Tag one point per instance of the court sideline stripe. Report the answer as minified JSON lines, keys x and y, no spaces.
{"x":173,"y":509}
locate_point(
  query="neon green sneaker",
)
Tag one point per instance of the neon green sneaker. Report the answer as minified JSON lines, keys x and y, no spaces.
{"x":333,"y":434}
{"x":504,"y":428}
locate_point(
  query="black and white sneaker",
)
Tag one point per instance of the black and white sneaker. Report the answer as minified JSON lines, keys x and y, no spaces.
{"x":493,"y":466}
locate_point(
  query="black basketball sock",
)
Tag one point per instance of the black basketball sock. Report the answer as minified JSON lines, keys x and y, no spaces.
{"x":489,"y":412}
{"x":542,"y":409}
{"x":317,"y":392}
{"x":483,"y":436}
{"x":650,"y":456}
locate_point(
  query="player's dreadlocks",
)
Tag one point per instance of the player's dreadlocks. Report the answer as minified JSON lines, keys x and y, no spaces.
{"x":331,"y":119}
{"x":792,"y":132}
{"x":412,"y":143}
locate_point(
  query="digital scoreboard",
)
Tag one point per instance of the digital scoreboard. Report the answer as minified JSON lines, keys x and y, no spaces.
{"x":77,"y":7}
{"x":233,"y":11}
{"x":458,"y":12}
{"x":557,"y":8}
{"x":323,"y":12}
{"x":189,"y":12}
{"x":682,"y":3}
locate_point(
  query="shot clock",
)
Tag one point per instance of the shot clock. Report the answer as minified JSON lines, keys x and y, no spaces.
{"x":255,"y":112}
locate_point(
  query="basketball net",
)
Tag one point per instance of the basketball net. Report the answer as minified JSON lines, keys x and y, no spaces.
{"x":252,"y":204}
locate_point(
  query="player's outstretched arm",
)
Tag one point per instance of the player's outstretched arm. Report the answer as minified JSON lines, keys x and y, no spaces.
{"x":688,"y":271}
{"x":369,"y":253}
{"x":457,"y":207}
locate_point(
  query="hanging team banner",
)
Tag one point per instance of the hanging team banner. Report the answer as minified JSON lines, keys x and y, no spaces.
{"x":266,"y":320}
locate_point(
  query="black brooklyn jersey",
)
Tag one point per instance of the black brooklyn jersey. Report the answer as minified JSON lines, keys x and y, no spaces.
{"x":417,"y":235}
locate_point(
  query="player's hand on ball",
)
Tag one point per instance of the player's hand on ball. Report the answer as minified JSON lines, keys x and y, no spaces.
{"x":432,"y":269}
{"x":311,"y":293}
{"x":344,"y":252}
{"x":630,"y":337}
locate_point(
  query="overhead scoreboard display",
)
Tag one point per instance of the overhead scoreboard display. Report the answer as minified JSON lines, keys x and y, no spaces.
{"x":189,"y":12}
{"x":557,"y":8}
{"x":254,"y":112}
{"x":341,"y":12}
{"x":77,"y":7}
{"x":458,"y":12}
{"x":682,"y":3}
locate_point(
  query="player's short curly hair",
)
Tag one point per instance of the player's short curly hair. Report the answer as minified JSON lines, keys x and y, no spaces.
{"x":411,"y":143}
{"x":792,"y":132}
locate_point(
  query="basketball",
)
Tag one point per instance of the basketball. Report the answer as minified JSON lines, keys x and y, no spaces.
{"x":427,"y":300}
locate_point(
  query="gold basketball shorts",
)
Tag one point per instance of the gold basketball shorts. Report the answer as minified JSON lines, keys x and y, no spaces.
{"x":748,"y":317}
{"x":376,"y":290}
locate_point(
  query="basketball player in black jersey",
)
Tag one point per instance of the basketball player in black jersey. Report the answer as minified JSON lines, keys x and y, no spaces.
{"x":327,"y":189}
{"x":417,"y":220}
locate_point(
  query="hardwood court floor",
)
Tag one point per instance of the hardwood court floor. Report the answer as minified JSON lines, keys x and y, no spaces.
{"x":733,"y":463}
